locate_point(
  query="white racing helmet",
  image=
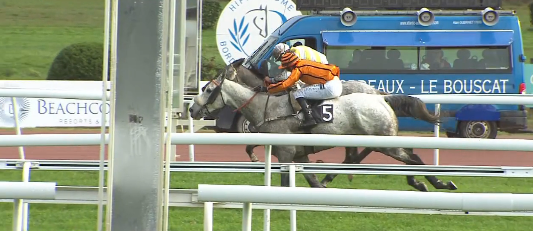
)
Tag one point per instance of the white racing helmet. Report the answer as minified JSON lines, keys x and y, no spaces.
{"x":279,"y":49}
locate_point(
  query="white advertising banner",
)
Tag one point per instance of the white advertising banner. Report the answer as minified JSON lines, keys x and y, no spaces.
{"x":41,"y":112}
{"x":51,"y":112}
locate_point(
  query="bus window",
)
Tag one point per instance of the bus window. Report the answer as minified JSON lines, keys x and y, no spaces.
{"x":420,"y":59}
{"x":372,"y":59}
{"x":465,"y":59}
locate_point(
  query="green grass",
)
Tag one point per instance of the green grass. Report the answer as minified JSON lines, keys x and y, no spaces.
{"x":83,"y":217}
{"x":34,"y":31}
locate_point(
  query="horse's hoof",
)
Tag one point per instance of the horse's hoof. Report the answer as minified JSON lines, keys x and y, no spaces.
{"x":422,"y":187}
{"x":451,"y":185}
{"x":350,"y":178}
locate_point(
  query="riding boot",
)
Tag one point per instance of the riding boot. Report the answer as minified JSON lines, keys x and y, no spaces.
{"x":308,"y":117}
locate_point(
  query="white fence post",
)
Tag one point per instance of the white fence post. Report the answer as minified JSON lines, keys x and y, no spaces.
{"x":208,"y":216}
{"x":292,"y":180}
{"x":191,"y":130}
{"x":21,"y":209}
{"x":247,"y":217}
{"x":268,"y":182}
{"x":436,"y":154}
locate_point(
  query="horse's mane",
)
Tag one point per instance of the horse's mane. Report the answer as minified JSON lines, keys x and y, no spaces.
{"x":260,"y":93}
{"x":253,"y":69}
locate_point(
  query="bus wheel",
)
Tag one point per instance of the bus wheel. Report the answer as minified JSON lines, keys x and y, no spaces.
{"x":478,"y":129}
{"x":244,"y":126}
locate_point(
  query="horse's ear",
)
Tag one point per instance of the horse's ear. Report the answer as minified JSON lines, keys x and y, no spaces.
{"x":263,"y":68}
{"x":237,"y":63}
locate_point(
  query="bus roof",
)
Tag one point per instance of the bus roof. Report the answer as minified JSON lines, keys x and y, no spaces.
{"x":299,"y":25}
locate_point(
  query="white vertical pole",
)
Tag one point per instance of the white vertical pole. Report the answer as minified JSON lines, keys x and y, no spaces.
{"x":268,"y":182}
{"x":26,"y":210}
{"x":169,"y":154}
{"x":437,"y":134}
{"x":208,"y":216}
{"x":105,"y":75}
{"x":171,"y":40}
{"x":191,"y":130}
{"x":113,"y":24}
{"x":20,"y":219}
{"x":292,"y":183}
{"x":199,"y":43}
{"x":247,"y":217}
{"x":173,"y":129}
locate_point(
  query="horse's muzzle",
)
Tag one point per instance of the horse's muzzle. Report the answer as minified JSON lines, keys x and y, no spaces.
{"x":195,"y":110}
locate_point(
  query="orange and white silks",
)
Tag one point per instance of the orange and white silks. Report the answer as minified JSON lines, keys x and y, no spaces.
{"x":308,"y":72}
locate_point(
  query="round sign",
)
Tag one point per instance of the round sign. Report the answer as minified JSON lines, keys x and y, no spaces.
{"x":244,"y":25}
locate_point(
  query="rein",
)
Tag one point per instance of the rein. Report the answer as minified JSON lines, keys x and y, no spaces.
{"x":247,"y":102}
{"x":265,"y":120}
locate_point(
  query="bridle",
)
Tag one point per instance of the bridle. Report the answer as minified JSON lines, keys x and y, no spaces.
{"x":218,"y":91}
{"x":213,"y":96}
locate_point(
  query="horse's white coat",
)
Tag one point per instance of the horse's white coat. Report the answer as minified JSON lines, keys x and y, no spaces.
{"x":356,"y":113}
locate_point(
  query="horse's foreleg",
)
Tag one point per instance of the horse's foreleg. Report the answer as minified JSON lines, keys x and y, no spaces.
{"x":285,"y":154}
{"x":250,"y":152}
{"x":350,"y":153}
{"x":310,"y":177}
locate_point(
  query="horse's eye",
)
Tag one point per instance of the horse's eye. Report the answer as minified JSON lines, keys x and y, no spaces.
{"x":208,"y":90}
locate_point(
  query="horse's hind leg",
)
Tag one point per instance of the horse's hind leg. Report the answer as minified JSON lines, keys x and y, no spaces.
{"x":438,"y":184}
{"x":408,"y":157}
{"x":250,"y":152}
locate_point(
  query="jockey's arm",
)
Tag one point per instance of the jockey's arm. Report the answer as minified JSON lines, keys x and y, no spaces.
{"x":281,"y":77}
{"x":283,"y":85}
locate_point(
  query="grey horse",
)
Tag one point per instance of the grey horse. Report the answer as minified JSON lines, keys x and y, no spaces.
{"x":356,"y":113}
{"x":402,"y":106}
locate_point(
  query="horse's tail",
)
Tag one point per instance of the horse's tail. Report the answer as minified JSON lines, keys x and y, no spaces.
{"x":404,"y":105}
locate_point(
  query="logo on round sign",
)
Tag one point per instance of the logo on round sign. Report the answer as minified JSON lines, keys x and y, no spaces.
{"x":244,"y":25}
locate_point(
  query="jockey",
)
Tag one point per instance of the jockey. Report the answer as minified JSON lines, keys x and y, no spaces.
{"x":303,"y":52}
{"x":322,"y":82}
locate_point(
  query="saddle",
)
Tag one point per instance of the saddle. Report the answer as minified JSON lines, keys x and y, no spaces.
{"x":296,"y":107}
{"x":322,"y":113}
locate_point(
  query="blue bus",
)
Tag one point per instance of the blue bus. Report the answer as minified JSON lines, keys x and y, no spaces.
{"x":412,"y":52}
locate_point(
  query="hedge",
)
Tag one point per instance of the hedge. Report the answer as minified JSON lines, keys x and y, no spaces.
{"x":210,"y":13}
{"x":79,"y":61}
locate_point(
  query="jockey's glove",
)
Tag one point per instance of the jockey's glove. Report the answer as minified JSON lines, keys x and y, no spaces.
{"x":260,"y":89}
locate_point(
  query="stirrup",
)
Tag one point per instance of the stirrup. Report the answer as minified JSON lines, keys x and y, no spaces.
{"x":307,"y":123}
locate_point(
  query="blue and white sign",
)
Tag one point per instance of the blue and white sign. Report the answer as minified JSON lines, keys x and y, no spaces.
{"x":244,"y":24}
